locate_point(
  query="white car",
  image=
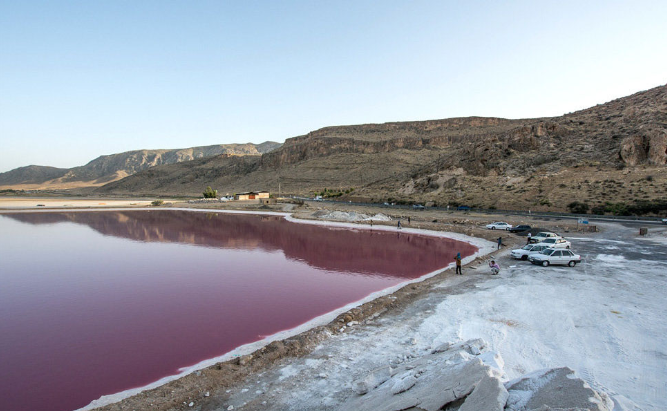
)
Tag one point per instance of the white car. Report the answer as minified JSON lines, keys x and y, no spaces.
{"x":555,"y":243}
{"x":539,"y":237}
{"x":525,"y":251}
{"x":499,"y":226}
{"x":552,"y":256}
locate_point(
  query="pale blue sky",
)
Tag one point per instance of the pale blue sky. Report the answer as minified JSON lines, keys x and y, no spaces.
{"x":79,"y":79}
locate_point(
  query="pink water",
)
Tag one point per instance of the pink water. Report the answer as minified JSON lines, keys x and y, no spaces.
{"x":94,"y":303}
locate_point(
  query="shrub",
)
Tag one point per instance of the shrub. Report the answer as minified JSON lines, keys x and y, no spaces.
{"x":578,"y":208}
{"x":157,"y":203}
{"x":210,"y":193}
{"x":618,"y":209}
{"x":598,"y":210}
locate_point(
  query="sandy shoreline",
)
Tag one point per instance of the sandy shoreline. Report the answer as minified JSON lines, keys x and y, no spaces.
{"x":41,"y":203}
{"x":484,"y":247}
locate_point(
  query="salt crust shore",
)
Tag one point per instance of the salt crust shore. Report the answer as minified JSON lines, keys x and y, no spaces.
{"x":484,"y":247}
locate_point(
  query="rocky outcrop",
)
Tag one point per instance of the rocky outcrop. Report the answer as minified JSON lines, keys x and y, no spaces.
{"x":648,"y":148}
{"x":466,"y":376}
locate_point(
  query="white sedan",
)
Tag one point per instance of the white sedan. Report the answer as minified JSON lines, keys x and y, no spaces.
{"x":499,"y":226}
{"x":525,"y":251}
{"x":555,"y":243}
{"x":539,"y":237}
{"x":552,"y":256}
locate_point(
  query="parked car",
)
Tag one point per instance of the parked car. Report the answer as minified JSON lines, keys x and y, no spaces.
{"x":418,"y":207}
{"x":664,"y":220}
{"x":552,"y":256}
{"x":539,"y":237}
{"x":524,"y":252}
{"x":463,"y":208}
{"x":555,"y":243}
{"x":519,"y":228}
{"x":499,"y":225}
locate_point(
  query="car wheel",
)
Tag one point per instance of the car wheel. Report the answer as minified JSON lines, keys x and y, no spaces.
{"x":493,"y":228}
{"x":524,"y":257}
{"x":545,"y":263}
{"x":568,"y":247}
{"x":572,"y":263}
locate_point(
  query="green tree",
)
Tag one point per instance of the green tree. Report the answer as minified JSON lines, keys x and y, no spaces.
{"x":210,"y":193}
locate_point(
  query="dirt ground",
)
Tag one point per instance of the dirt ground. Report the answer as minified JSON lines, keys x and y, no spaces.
{"x":209,"y":385}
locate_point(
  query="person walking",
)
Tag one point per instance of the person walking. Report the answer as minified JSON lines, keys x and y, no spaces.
{"x":500,"y":242}
{"x":458,"y":264}
{"x":495,"y":268}
{"x":398,"y":225}
{"x":408,"y":220}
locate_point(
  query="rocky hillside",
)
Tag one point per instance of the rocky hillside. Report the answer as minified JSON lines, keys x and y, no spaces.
{"x":613,"y":152}
{"x":105,"y":169}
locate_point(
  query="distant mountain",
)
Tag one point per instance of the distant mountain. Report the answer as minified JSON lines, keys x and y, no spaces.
{"x":613,"y":152}
{"x":113,"y":167}
{"x":31,"y":175}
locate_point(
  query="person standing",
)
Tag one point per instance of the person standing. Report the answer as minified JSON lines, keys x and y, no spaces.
{"x":408,"y":220}
{"x":500,"y":242}
{"x":458,"y":264}
{"x":528,"y":239}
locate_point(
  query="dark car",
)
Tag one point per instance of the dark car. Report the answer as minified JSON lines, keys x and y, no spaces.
{"x":418,"y":207}
{"x":463,"y":208}
{"x":519,"y":228}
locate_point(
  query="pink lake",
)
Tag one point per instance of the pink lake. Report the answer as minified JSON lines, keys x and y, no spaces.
{"x":94,"y":303}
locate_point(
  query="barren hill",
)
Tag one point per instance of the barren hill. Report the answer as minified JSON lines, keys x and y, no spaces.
{"x":31,"y":175}
{"x":613,"y":152}
{"x":105,"y":169}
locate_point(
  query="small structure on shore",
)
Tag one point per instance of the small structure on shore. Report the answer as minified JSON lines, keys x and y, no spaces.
{"x":251,"y":195}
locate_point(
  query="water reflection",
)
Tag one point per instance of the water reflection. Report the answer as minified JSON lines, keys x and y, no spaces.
{"x":354,"y":251}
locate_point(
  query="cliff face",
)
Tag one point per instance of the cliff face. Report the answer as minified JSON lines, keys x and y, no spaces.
{"x":626,"y":132}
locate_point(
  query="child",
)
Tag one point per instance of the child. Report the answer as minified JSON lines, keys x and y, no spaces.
{"x":495,"y":268}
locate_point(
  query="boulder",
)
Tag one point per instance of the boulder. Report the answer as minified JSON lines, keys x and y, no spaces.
{"x":489,"y":395}
{"x":553,"y":389}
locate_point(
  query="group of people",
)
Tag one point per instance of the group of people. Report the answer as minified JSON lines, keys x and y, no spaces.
{"x":495,"y":268}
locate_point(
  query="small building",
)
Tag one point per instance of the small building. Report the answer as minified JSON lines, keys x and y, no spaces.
{"x":251,"y":195}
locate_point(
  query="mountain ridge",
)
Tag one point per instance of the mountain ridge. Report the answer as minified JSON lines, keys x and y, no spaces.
{"x":112,"y":167}
{"x":536,"y":163}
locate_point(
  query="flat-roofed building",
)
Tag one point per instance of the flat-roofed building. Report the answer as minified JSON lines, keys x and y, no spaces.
{"x":251,"y":195}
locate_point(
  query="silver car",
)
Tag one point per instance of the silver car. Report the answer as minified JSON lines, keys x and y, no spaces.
{"x":555,"y":243}
{"x":524,"y":252}
{"x":552,"y":256}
